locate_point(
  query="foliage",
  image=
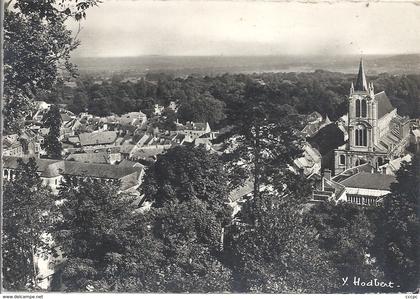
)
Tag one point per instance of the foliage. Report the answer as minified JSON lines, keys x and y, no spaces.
{"x":175,"y":247}
{"x":184,"y":174}
{"x":107,"y":246}
{"x":191,"y":238}
{"x":202,"y":109}
{"x":400,"y":229}
{"x":265,"y":139}
{"x":280,"y":254}
{"x":37,"y":48}
{"x":189,"y":193}
{"x":27,"y":211}
{"x":346,"y":236}
{"x":52,"y":121}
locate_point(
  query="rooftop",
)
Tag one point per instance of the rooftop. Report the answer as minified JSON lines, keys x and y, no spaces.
{"x":53,"y":168}
{"x":365,"y":180}
{"x":384,"y":104}
{"x":97,"y":138}
{"x":101,"y":158}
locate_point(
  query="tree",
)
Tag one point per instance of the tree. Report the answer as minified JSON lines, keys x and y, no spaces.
{"x":183,"y":174}
{"x":37,"y":48}
{"x":279,"y":254}
{"x":191,"y":238}
{"x":168,"y":119}
{"x":400,"y":229}
{"x":188,"y":189}
{"x":265,"y":139}
{"x":106,"y":244}
{"x":175,"y":247}
{"x":52,"y":121}
{"x":204,"y":108}
{"x":346,"y":236}
{"x":28,"y":210}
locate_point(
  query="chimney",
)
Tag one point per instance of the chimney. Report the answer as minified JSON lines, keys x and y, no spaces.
{"x":327,"y":174}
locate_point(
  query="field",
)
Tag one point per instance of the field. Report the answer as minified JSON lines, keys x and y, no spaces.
{"x":214,"y":65}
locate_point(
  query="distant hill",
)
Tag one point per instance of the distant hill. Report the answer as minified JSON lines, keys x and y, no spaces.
{"x":214,"y":65}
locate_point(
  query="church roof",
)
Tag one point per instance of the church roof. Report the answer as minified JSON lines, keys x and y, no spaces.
{"x":384,"y":104}
{"x":361,"y":83}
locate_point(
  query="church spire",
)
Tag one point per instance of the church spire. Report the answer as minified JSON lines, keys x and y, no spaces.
{"x":361,"y":83}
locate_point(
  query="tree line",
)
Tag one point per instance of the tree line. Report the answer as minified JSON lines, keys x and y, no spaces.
{"x":203,"y":98}
{"x":190,"y":241}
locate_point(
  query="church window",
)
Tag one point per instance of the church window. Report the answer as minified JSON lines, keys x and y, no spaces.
{"x":360,"y":135}
{"x":364,"y":140}
{"x":342,"y":159}
{"x":357,"y":108}
{"x":364,"y":108}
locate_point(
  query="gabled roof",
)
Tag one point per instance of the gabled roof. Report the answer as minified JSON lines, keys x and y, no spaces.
{"x":65,"y":117}
{"x":192,"y":126}
{"x":384,"y":104}
{"x":366,"y":180}
{"x":53,"y":168}
{"x":101,"y":158}
{"x":97,"y":170}
{"x":43,"y":164}
{"x":128,"y":163}
{"x":97,"y":138}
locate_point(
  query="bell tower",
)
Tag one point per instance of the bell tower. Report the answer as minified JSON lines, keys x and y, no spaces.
{"x":362,"y":113}
{"x":363,"y":144}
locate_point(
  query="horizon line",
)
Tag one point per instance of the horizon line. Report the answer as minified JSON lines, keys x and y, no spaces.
{"x":252,"y":55}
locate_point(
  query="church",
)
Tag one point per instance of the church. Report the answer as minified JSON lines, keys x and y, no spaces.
{"x":376,"y":133}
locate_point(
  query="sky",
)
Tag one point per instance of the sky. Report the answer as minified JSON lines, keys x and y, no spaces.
{"x":118,"y":28}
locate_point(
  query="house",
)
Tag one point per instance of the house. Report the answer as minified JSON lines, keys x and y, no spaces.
{"x":128,"y":163}
{"x":359,"y":185}
{"x":106,"y":138}
{"x":12,"y":146}
{"x":193,"y":130}
{"x":41,"y":108}
{"x":310,"y":162}
{"x":106,"y":157}
{"x":137,"y":119}
{"x":393,"y":166}
{"x":31,"y":143}
{"x":158,"y":109}
{"x":52,"y":172}
{"x":315,"y":122}
{"x":70,"y":127}
{"x":147,"y":154}
{"x":376,"y":133}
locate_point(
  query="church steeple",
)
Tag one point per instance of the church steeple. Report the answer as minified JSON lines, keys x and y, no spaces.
{"x":361,"y":83}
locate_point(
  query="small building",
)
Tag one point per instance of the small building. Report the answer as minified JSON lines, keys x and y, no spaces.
{"x":193,"y":130}
{"x":106,"y":138}
{"x":12,"y":146}
{"x":314,"y":123}
{"x":310,"y":162}
{"x":103,"y":157}
{"x":53,"y":171}
{"x":359,"y":185}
